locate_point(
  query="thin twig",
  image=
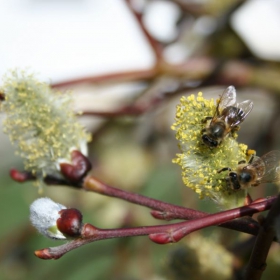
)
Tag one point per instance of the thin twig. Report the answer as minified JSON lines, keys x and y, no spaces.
{"x":110,"y":77}
{"x":160,"y":210}
{"x":161,"y":234}
{"x":157,"y":48}
{"x":140,"y":107}
{"x":164,"y":210}
{"x":257,"y":262}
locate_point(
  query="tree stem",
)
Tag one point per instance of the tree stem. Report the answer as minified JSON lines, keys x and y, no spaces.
{"x":257,"y":262}
{"x":160,"y":234}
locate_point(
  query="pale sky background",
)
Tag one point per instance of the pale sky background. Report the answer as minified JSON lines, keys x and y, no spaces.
{"x":70,"y":39}
{"x":63,"y":39}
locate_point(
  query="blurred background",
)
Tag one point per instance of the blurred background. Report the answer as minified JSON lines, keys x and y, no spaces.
{"x":127,"y":64}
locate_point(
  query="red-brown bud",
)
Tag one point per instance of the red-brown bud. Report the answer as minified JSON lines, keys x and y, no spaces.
{"x":161,"y":238}
{"x":20,"y":176}
{"x":89,"y":231}
{"x":76,"y":171}
{"x":70,"y":222}
{"x":162,"y":215}
{"x":248,"y":200}
{"x":43,"y":254}
{"x":258,"y":200}
{"x":158,"y":214}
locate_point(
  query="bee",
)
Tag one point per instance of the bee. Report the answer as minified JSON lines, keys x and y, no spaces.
{"x":228,"y":115}
{"x":258,"y":170}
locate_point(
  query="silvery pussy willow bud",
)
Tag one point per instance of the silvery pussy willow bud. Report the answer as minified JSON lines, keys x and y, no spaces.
{"x":43,"y":215}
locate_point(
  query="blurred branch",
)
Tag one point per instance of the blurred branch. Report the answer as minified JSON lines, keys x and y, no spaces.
{"x":192,"y":8}
{"x":231,"y":72}
{"x":257,"y":262}
{"x":157,"y":48}
{"x":207,"y":71}
{"x":111,"y":77}
{"x":2,"y":96}
{"x":142,"y":105}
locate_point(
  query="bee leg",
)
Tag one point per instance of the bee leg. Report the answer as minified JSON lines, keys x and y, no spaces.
{"x":256,"y":184}
{"x":206,"y":119}
{"x":251,"y":159}
{"x":224,"y":169}
{"x":235,"y":128}
{"x":250,"y":154}
{"x":242,"y":161}
{"x":228,"y":182}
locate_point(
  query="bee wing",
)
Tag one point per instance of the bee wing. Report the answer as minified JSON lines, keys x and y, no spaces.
{"x":228,"y":98}
{"x":244,"y":108}
{"x":268,"y":167}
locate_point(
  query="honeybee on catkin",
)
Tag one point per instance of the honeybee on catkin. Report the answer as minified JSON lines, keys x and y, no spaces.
{"x":227,"y":117}
{"x":258,"y":170}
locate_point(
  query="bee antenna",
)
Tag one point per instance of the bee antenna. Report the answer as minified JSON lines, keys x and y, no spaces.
{"x":224,"y":169}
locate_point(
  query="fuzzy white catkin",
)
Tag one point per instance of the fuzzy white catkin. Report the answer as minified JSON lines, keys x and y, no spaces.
{"x":43,"y":216}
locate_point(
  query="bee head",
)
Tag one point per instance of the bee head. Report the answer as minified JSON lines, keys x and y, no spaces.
{"x":245,"y":177}
{"x":210,"y":142}
{"x":233,"y":177}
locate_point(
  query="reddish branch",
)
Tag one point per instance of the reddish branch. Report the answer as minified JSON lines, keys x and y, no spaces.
{"x":157,"y":48}
{"x":199,"y":69}
{"x":74,"y":174}
{"x":161,"y":234}
{"x":163,"y":210}
{"x":111,"y":77}
{"x":160,"y":210}
{"x":231,"y":72}
{"x":257,"y":262}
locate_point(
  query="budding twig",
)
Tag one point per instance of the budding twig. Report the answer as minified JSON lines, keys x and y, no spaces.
{"x":160,"y":210}
{"x":163,"y":210}
{"x":161,"y":234}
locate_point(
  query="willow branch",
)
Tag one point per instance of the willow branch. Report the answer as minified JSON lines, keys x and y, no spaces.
{"x":161,"y":234}
{"x":160,"y":210}
{"x":257,"y":262}
{"x":163,"y":210}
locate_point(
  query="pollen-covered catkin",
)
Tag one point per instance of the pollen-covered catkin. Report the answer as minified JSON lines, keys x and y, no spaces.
{"x":40,"y":123}
{"x":199,"y":163}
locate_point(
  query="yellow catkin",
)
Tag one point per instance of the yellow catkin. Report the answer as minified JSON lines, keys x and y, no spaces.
{"x":40,"y":122}
{"x":199,"y":163}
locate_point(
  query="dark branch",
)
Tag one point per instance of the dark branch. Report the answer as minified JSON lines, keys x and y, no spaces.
{"x":257,"y":262}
